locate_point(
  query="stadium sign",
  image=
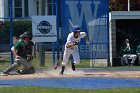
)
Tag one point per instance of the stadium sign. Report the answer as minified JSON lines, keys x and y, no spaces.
{"x":92,"y":16}
{"x":44,"y":28}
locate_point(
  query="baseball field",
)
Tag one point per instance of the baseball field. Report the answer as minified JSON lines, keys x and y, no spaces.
{"x":30,"y":89}
{"x":85,"y":79}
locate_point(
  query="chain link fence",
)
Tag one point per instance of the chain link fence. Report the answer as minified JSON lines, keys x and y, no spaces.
{"x":19,"y":27}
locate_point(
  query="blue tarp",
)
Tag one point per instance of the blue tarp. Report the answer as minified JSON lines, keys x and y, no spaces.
{"x":75,"y":83}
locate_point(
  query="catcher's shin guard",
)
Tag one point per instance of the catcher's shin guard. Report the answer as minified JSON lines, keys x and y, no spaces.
{"x":6,"y":71}
{"x":62,"y":70}
{"x":10,"y":68}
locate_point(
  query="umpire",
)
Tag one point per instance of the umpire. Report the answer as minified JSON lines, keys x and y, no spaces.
{"x":22,"y":51}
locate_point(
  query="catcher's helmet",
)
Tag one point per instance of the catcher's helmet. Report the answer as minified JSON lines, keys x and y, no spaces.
{"x":76,"y":28}
{"x":26,"y":34}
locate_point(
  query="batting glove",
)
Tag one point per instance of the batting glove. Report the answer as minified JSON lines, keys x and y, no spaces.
{"x":76,"y":43}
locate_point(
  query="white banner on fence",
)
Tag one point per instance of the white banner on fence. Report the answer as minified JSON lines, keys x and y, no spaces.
{"x":44,"y":28}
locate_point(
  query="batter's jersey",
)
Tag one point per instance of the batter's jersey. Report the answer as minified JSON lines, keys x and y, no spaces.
{"x":71,"y":39}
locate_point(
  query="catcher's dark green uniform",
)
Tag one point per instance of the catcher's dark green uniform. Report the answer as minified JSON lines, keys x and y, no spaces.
{"x":138,"y":49}
{"x":138,"y":53}
{"x":127,"y":53}
{"x":125,"y":50}
{"x":24,"y":52}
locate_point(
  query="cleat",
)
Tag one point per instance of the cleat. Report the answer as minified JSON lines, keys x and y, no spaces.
{"x":3,"y":74}
{"x":20,"y":71}
{"x":61,"y":73}
{"x":24,"y":71}
{"x":55,"y":67}
{"x":73,"y":66}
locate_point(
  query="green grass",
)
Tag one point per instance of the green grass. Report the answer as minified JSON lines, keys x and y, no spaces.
{"x":48,"y":63}
{"x":61,"y":90}
{"x":5,"y":62}
{"x":84,"y":64}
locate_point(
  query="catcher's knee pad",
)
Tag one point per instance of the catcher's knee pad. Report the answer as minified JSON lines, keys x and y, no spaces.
{"x":16,"y":64}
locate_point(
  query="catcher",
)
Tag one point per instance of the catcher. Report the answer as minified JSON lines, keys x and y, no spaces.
{"x":22,"y":51}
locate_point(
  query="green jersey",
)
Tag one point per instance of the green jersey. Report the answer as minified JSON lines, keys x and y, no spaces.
{"x":138,"y":49}
{"x":23,"y":48}
{"x":20,"y":47}
{"x":125,"y":50}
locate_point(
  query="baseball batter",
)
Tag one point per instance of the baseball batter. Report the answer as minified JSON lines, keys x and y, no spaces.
{"x":71,"y":47}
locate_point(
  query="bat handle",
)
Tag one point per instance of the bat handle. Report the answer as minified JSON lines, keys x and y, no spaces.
{"x":55,"y":67}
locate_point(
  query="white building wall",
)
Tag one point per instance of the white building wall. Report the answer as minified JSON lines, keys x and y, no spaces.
{"x":6,"y":14}
{"x":4,"y":9}
{"x":32,"y":7}
{"x":1,"y":8}
{"x":23,"y":13}
{"x":46,"y":8}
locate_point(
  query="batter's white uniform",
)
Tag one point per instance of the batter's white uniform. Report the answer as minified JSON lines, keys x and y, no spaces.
{"x":74,"y":50}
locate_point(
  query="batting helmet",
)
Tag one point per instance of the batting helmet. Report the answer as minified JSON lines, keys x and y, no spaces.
{"x":76,"y":28}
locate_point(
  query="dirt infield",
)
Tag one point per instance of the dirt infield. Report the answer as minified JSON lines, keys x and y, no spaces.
{"x":70,"y":74}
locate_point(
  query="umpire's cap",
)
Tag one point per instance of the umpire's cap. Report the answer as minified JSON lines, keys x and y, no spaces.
{"x":76,"y":28}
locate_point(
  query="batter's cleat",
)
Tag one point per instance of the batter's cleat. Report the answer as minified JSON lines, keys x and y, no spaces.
{"x":62,"y":71}
{"x":73,"y":66}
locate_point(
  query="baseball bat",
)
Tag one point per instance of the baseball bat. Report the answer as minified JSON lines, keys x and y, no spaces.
{"x":71,"y":25}
{"x":58,"y":63}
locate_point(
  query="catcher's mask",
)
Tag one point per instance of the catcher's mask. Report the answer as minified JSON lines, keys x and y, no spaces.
{"x":26,"y":35}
